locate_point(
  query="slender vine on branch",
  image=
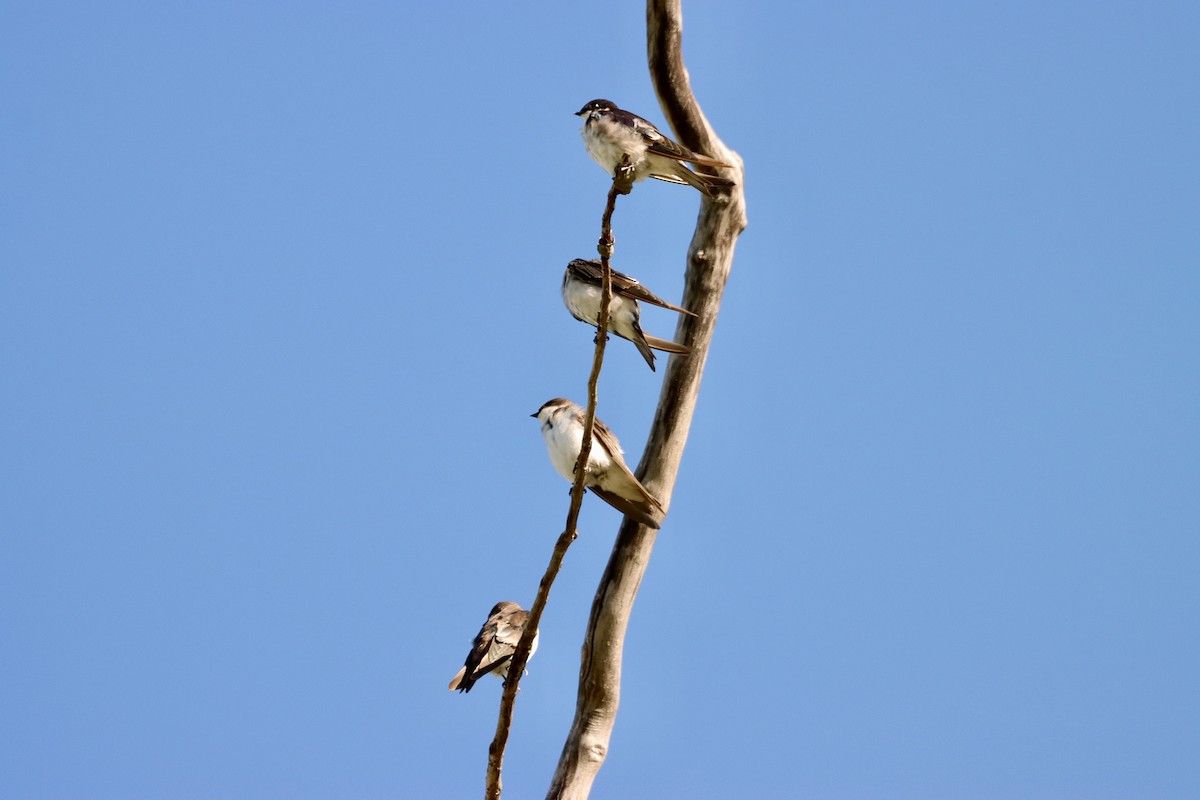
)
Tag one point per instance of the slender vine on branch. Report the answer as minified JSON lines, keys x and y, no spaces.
{"x":622,"y":184}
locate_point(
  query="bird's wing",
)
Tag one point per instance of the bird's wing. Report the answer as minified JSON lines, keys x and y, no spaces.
{"x":592,"y":272}
{"x":668,"y":178}
{"x":586,"y":270}
{"x":480,"y":650}
{"x":501,"y":644}
{"x":630,"y":508}
{"x":509,"y":628}
{"x":635,"y":291}
{"x":608,"y":440}
{"x":491,"y":664}
{"x":660,"y":145}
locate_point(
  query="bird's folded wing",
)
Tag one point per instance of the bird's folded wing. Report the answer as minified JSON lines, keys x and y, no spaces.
{"x":629,"y":508}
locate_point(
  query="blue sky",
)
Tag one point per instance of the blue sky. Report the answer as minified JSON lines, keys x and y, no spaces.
{"x":280,"y":292}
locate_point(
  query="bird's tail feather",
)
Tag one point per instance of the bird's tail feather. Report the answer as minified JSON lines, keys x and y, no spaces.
{"x":713,"y":182}
{"x":644,"y":348}
{"x":463,"y":683}
{"x":705,"y":183}
{"x":667,"y":346}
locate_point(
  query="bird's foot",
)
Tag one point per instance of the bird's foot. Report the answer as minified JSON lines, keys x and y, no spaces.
{"x":623,"y":176}
{"x":605,"y":246}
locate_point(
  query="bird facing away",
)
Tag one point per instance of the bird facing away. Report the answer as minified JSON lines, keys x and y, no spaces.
{"x":610,"y":133}
{"x":493,"y":648}
{"x":607,"y":476}
{"x":582,"y":288}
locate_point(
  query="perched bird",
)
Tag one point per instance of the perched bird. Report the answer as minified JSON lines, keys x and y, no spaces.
{"x":492,"y":650}
{"x":581,"y":292}
{"x":607,"y":475}
{"x":610,"y":133}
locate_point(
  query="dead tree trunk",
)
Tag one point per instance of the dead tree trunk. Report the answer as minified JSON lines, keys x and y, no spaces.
{"x":709,"y":259}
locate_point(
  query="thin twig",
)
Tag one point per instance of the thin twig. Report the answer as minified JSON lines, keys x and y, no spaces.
{"x":621,"y":185}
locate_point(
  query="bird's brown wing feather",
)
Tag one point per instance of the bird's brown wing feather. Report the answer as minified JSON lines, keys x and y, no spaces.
{"x":591,"y":271}
{"x":629,"y":287}
{"x":627,"y":507}
{"x":608,"y":440}
{"x":641,"y":512}
{"x":491,"y":665}
{"x":492,"y":647}
{"x":660,"y":145}
{"x":677,"y":152}
{"x":587,"y":270}
{"x":508,"y":629}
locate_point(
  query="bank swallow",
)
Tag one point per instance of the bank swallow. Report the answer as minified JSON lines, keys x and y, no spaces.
{"x":607,"y":475}
{"x":582,"y":287}
{"x":493,"y":648}
{"x":610,"y":133}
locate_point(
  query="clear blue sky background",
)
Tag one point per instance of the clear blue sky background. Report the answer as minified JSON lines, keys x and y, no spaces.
{"x":280,"y":291}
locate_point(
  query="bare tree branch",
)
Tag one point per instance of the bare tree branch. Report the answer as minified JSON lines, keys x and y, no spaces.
{"x":622,"y":183}
{"x":710,"y":257}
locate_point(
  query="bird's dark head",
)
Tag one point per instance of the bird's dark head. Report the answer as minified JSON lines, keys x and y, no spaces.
{"x":550,"y":407}
{"x":597,"y":105}
{"x":504,"y":607}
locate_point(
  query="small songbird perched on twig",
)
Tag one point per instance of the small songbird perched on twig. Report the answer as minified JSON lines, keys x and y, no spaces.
{"x":610,"y":133}
{"x":581,"y":292}
{"x":607,"y":475}
{"x":493,"y":648}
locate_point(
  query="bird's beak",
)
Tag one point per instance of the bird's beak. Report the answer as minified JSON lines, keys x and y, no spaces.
{"x":534,"y":414}
{"x":581,"y":112}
